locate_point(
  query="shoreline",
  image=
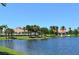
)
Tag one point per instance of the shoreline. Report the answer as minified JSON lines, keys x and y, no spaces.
{"x":35,"y":38}
{"x":11,"y":51}
{"x":22,"y":38}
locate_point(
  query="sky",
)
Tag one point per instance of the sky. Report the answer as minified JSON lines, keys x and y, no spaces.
{"x":43,"y":14}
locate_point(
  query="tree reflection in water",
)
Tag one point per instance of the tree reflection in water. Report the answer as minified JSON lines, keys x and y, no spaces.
{"x":7,"y":43}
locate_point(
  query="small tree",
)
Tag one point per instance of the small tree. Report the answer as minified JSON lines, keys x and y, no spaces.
{"x":75,"y":32}
{"x":44,"y":31}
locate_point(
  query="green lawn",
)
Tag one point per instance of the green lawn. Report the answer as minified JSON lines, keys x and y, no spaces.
{"x":2,"y":38}
{"x":33,"y":37}
{"x":10,"y":51}
{"x":28,"y":38}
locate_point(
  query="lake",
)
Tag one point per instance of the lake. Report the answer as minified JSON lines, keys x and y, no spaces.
{"x":52,"y":46}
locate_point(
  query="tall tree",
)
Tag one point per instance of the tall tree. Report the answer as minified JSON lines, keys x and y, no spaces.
{"x":54,"y":29}
{"x":24,"y":28}
{"x":63,"y":28}
{"x":78,"y":30}
{"x":70,"y":31}
{"x":35,"y":29}
{"x":75,"y":32}
{"x":29,"y":28}
{"x":44,"y":30}
{"x":1,"y":28}
{"x":9,"y":32}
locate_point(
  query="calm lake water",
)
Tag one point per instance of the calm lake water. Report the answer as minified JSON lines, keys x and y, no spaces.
{"x":52,"y":46}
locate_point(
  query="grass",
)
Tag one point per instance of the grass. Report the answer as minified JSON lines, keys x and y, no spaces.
{"x":29,"y":38}
{"x":10,"y":51}
{"x":26,"y":38}
{"x":34,"y":38}
{"x":3,"y":38}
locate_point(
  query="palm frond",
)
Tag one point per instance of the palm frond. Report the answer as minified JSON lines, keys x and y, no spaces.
{"x":3,"y":4}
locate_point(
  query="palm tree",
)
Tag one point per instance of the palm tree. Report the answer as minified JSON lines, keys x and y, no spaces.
{"x":63,"y":28}
{"x":75,"y":32}
{"x":70,"y":31}
{"x":3,"y":4}
{"x":54,"y":29}
{"x":44,"y":31}
{"x":1,"y":28}
{"x":28,"y":27}
{"x":4,"y":29}
{"x":9,"y":32}
{"x":35,"y":29}
{"x":24,"y":28}
{"x":78,"y":30}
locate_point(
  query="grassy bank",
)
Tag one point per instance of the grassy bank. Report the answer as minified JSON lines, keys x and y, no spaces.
{"x":35,"y":37}
{"x":10,"y":51}
{"x":27,"y":37}
{"x":23,"y":38}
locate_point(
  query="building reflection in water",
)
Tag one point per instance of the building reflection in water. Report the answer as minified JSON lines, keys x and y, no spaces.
{"x":20,"y":45}
{"x":33,"y":46}
{"x":7,"y":43}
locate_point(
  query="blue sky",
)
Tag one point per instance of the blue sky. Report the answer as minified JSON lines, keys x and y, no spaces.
{"x":45,"y":15}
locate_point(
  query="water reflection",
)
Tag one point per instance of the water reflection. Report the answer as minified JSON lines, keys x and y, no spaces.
{"x":20,"y":45}
{"x":56,"y":46}
{"x":30,"y":46}
{"x":7,"y":43}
